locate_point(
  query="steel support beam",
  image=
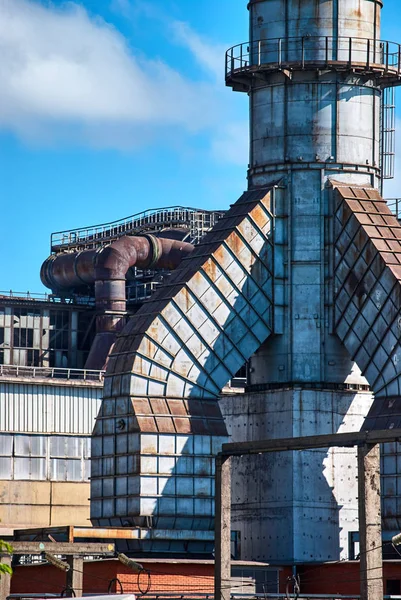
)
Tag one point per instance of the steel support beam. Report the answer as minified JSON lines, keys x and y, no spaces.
{"x":370,"y":534}
{"x":62,"y":548}
{"x":222,"y":549}
{"x":335,"y":440}
{"x":371,"y":567}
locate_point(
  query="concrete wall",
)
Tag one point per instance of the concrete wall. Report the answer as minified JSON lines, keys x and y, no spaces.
{"x":42,"y":503}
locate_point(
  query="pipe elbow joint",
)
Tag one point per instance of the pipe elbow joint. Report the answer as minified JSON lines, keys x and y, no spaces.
{"x":112,"y":263}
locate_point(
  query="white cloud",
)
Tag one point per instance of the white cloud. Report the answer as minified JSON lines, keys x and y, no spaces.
{"x":210,"y":56}
{"x":231,"y":143}
{"x":66,"y":75}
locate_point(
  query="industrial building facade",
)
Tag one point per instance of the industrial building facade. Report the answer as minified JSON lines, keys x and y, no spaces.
{"x":48,"y":400}
{"x":300,"y":280}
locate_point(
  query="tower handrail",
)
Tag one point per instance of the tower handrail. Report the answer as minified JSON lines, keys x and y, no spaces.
{"x":329,"y":51}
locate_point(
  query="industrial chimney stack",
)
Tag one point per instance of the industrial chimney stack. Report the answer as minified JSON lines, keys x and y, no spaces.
{"x":315,"y":72}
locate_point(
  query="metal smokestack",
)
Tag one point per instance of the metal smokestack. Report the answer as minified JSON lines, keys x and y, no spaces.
{"x":315,"y":104}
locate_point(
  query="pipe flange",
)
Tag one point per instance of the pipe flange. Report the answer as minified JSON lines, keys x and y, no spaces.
{"x":155,"y":248}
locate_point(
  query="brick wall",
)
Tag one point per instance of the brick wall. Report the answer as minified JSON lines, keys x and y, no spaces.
{"x":165,"y":577}
{"x":178,"y":577}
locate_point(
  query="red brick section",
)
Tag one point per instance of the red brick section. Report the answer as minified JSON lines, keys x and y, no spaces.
{"x":177,"y":577}
{"x":341,"y":578}
{"x":165,"y":577}
{"x":37,"y":579}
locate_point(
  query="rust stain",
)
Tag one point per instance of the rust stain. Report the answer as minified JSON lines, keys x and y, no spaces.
{"x":188,"y":302}
{"x":220,"y":254}
{"x":235,"y":243}
{"x":210,"y":268}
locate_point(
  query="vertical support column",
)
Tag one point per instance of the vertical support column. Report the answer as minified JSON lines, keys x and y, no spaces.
{"x":5,"y":580}
{"x":370,"y":534}
{"x":222,"y":531}
{"x":75,"y":576}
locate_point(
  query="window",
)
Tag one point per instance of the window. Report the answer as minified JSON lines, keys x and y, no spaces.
{"x":23,"y":337}
{"x":26,"y":312}
{"x":67,"y":458}
{"x":30,"y":457}
{"x":33,"y":358}
{"x":44,"y":457}
{"x":251,"y":581}
{"x":59,"y":330}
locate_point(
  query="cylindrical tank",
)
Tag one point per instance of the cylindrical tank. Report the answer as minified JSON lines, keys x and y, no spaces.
{"x":297,"y":18}
{"x":312,"y":114}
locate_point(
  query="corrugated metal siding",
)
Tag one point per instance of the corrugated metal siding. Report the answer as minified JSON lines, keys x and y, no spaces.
{"x":41,"y":408}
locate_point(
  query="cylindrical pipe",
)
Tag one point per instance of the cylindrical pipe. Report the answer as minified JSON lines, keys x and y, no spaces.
{"x":107,"y":269}
{"x":76,"y":269}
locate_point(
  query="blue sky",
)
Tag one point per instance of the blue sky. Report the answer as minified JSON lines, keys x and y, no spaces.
{"x":108,"y":107}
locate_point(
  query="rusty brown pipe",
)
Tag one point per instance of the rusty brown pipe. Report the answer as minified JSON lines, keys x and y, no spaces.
{"x":107,"y":269}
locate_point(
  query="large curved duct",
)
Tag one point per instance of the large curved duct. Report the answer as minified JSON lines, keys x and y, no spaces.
{"x":107,"y":269}
{"x":367,"y":273}
{"x":160,"y":425}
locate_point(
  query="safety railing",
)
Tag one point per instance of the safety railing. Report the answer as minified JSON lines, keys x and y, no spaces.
{"x":302,"y":52}
{"x":173,"y":216}
{"x":27,"y":296}
{"x":51,"y":373}
{"x":395,"y":206}
{"x":10,"y":295}
{"x":141,"y":291}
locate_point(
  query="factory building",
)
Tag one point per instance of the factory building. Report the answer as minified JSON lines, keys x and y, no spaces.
{"x":48,"y":399}
{"x":300,"y":280}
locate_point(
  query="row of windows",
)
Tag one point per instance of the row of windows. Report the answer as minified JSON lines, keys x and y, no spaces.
{"x":40,"y":469}
{"x":23,"y":337}
{"x":37,"y":457}
{"x":56,"y":446}
{"x":34,"y":341}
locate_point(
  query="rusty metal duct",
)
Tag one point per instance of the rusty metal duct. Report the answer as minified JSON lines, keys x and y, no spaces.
{"x":107,"y":268}
{"x":160,"y":425}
